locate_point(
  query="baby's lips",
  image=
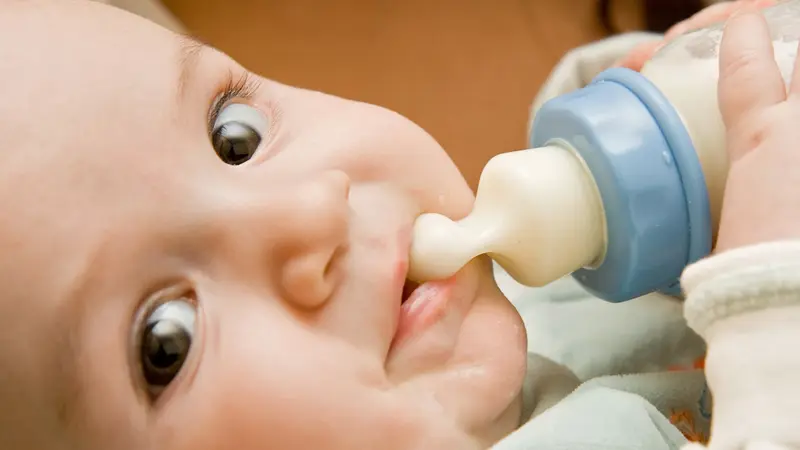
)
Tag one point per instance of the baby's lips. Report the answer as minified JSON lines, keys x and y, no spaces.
{"x":428,"y":328}
{"x":426,"y":305}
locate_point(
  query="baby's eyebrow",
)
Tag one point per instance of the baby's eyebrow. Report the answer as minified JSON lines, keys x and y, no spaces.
{"x":189,"y":51}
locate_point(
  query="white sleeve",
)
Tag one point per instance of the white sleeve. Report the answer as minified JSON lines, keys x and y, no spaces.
{"x":746,"y":304}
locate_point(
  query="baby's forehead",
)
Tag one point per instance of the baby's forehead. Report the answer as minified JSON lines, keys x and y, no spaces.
{"x":87,"y":92}
{"x":70,"y":65}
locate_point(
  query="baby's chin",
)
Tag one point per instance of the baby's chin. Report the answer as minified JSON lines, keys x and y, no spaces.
{"x":472,"y":358}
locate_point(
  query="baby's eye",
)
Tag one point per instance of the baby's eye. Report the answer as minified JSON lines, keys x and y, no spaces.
{"x":236,"y":133}
{"x":165,"y":342}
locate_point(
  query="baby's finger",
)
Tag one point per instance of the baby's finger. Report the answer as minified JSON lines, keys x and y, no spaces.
{"x":794,"y":86}
{"x":715,"y":13}
{"x":640,"y":54}
{"x":708,"y":16}
{"x":749,"y":79}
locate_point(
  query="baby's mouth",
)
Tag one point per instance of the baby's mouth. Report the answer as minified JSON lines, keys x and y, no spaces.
{"x":430,"y":315}
{"x":408,"y":288}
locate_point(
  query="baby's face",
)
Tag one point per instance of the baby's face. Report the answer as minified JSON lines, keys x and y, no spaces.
{"x":197,"y":258}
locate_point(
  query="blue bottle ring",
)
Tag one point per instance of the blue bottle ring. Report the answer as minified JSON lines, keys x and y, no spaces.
{"x":683,"y":152}
{"x":648,"y":175}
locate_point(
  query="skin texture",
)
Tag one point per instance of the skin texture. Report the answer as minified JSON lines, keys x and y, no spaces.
{"x":114,"y":202}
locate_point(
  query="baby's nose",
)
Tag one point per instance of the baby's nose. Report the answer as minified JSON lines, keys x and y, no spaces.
{"x":313,"y":239}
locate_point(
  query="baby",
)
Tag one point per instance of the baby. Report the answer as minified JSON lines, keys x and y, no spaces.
{"x":195,"y":258}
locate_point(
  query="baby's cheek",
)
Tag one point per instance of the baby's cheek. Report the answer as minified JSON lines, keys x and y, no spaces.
{"x":329,"y":415}
{"x":274,"y":384}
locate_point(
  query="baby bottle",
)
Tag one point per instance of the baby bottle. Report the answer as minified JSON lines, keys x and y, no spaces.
{"x":622,"y":186}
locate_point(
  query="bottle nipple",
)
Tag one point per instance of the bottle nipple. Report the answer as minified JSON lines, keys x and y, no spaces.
{"x":537,"y":213}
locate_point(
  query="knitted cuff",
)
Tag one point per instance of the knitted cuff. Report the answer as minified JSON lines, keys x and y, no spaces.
{"x":743,"y":280}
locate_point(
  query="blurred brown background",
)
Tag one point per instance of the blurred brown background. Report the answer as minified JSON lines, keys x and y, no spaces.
{"x":465,"y":70}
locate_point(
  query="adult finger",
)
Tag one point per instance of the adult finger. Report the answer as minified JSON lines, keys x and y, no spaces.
{"x":749,"y":79}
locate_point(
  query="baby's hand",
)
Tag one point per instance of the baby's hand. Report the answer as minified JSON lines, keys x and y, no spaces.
{"x":708,"y":16}
{"x":762,"y":196}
